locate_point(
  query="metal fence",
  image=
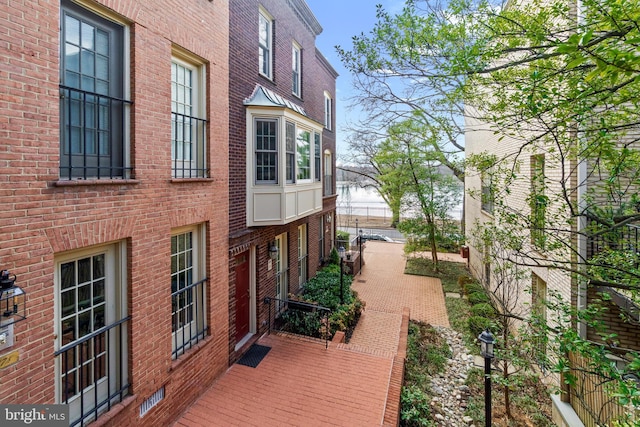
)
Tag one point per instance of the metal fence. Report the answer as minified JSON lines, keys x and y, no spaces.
{"x":299,"y":317}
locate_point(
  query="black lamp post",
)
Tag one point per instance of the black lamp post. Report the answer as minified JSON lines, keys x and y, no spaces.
{"x":360,"y":247}
{"x":341,"y":253}
{"x":486,"y":350}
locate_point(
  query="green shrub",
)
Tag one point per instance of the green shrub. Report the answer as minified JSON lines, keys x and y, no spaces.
{"x":342,"y":238}
{"x":477,"y":324}
{"x":415,"y":407}
{"x":483,"y":309}
{"x":334,"y":258}
{"x":324,"y":290}
{"x":478,"y":297}
{"x":472,"y":287}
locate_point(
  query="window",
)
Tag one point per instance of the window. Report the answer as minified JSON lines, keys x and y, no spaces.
{"x":265,"y":28}
{"x":321,"y":239}
{"x":539,"y":314}
{"x":296,"y":65}
{"x":327,"y":110}
{"x":487,"y":191}
{"x":93,"y":109}
{"x":298,"y":152}
{"x":291,"y":152}
{"x":317,"y":145}
{"x":188,"y":286}
{"x":328,"y":174}
{"x":487,"y":264}
{"x":303,"y":143}
{"x":266,"y":151}
{"x":91,"y":331}
{"x":282,"y":270}
{"x":302,"y":254}
{"x":188,"y":127}
{"x":538,"y":201}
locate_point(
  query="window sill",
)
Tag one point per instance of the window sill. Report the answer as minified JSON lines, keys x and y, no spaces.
{"x":186,"y":180}
{"x":487,"y":213}
{"x":264,"y":76}
{"x":195,"y":349}
{"x":84,"y":182}
{"x":108,"y":416}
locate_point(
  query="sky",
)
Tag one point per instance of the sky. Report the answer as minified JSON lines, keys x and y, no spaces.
{"x":340,"y":21}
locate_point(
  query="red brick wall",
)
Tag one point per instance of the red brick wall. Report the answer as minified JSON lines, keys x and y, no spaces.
{"x":42,"y":217}
{"x":244,"y":75}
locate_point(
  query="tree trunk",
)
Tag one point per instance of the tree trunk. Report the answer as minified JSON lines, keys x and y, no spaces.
{"x":505,"y":374}
{"x":432,"y":240}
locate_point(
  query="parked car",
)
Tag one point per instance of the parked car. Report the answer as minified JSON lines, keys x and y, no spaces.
{"x":380,"y":237}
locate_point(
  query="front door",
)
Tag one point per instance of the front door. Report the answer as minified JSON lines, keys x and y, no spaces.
{"x":242,"y":295}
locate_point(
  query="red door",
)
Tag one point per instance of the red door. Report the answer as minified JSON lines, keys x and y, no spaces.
{"x":242,"y":295}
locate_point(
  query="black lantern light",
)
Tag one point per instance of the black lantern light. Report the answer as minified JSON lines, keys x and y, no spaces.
{"x":12,"y":299}
{"x":487,"y":341}
{"x":273,"y":251}
{"x":360,"y":237}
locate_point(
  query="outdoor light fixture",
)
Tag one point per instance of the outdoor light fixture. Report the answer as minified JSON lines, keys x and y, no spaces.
{"x":273,"y":251}
{"x":486,"y":344}
{"x":12,"y":300}
{"x":486,"y":350}
{"x":341,"y":254}
{"x":360,"y":247}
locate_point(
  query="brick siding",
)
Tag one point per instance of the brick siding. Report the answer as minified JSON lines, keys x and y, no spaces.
{"x":317,"y":78}
{"x":44,"y":217}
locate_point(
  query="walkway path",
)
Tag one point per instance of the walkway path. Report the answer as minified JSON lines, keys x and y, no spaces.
{"x":300,"y":383}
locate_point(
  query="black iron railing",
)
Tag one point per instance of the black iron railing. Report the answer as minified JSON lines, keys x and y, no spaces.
{"x":188,"y":149}
{"x":189,"y":322}
{"x":92,"y":135}
{"x":93,"y":374}
{"x":624,"y":238}
{"x":299,"y":317}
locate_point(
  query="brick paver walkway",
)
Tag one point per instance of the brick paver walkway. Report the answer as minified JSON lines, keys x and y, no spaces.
{"x":300,"y":383}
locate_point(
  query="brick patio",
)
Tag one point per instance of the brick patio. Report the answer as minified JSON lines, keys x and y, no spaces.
{"x":300,"y":383}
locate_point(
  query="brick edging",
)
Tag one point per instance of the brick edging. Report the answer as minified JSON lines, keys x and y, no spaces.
{"x":392,"y":407}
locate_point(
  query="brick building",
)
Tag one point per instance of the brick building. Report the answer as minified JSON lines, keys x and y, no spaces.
{"x":114,"y":128}
{"x":281,"y":159}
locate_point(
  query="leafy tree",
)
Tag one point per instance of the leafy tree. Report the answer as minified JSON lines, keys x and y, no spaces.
{"x":372,"y":166}
{"x":565,"y":85}
{"x":553,"y":81}
{"x":397,"y":72}
{"x":428,"y":193}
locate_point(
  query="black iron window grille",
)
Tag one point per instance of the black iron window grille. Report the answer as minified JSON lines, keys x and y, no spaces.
{"x":93,"y":374}
{"x":188,"y":148}
{"x":188,"y":318}
{"x":93,"y":135}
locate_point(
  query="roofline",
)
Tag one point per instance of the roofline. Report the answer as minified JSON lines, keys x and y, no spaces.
{"x":304,"y":12}
{"x":324,"y":61}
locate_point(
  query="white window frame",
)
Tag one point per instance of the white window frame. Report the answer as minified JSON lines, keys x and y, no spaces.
{"x":115,"y":296}
{"x":184,"y":337}
{"x":265,"y":45}
{"x":282,"y":270}
{"x":328,"y":110}
{"x":296,"y":69}
{"x":304,"y":163}
{"x":328,"y":174}
{"x":303,"y":254}
{"x":275,"y":153}
{"x":193,"y":165}
{"x":291,"y":157}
